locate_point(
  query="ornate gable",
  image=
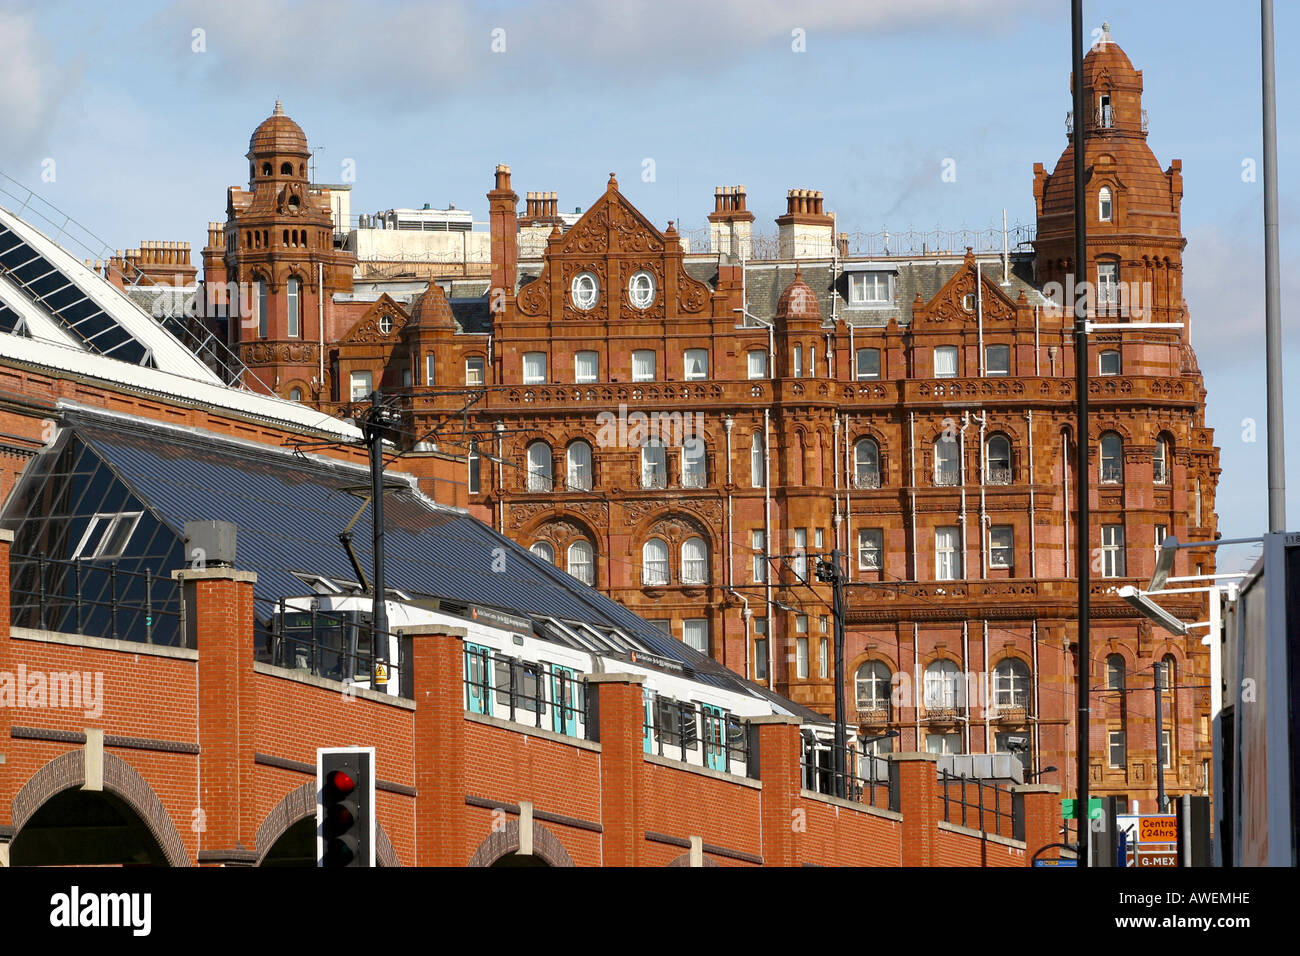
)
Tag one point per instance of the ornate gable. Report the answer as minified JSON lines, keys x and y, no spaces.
{"x":949,"y":304}
{"x":382,"y":322}
{"x":613,"y":241}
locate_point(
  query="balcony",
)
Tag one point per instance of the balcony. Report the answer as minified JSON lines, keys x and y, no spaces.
{"x":872,"y":716}
{"x":947,"y":475}
{"x":1009,"y":714}
{"x":868,"y":480}
{"x":998,"y":475}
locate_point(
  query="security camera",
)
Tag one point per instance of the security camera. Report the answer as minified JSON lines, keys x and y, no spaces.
{"x":1018,"y":744}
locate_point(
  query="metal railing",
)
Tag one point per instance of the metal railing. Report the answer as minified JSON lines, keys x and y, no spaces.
{"x":694,"y":479}
{"x":547,"y":696}
{"x":335,"y":645}
{"x":947,"y":475}
{"x":993,"y":809}
{"x":866,"y":479}
{"x":866,"y":776}
{"x":697,"y":734}
{"x":654,"y":479}
{"x":1112,"y":473}
{"x":998,"y":475}
{"x":95,"y":598}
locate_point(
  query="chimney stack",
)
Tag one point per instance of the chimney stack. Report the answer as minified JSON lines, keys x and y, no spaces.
{"x":503,"y":219}
{"x":806,"y":231}
{"x":731,"y":223}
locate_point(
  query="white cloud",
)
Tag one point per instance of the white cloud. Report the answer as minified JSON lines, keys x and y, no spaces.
{"x":29,"y":93}
{"x":404,"y":56}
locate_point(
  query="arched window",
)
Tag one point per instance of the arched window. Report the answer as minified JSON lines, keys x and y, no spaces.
{"x":1168,"y":673}
{"x":654,"y":465}
{"x":694,"y":470}
{"x":294,"y":287}
{"x":1115,"y":671}
{"x":1011,"y":684}
{"x":578,"y":466}
{"x":654,"y":562}
{"x":1112,"y":459}
{"x":998,"y":462}
{"x":946,"y":468}
{"x":943,"y":686}
{"x":757,"y":471}
{"x":1105,"y":206}
{"x":866,"y":464}
{"x":266,"y":169}
{"x":540,"y":474}
{"x":581,"y":565}
{"x":695,"y":562}
{"x":1160,"y":462}
{"x":873,"y":687}
{"x":543,"y":551}
{"x":295,"y":395}
{"x":286,"y":169}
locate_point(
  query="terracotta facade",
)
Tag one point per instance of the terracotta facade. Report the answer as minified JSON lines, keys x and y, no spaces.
{"x":916,"y":413}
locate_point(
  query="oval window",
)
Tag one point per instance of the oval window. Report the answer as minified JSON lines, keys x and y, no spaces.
{"x":641,"y":289}
{"x":584,"y":290}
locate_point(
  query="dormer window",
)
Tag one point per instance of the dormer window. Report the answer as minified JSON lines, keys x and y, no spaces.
{"x":870,"y":288}
{"x":1105,"y":205}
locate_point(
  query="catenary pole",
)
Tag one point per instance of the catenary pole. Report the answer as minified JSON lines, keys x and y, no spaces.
{"x":1081,"y":441}
{"x":1272,"y":292}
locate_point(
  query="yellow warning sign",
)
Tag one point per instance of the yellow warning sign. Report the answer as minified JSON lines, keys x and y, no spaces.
{"x":1158,"y":829}
{"x":381,"y":674}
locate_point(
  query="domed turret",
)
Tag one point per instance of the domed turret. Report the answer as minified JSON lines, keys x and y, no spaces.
{"x":798,"y":301}
{"x":278,"y":149}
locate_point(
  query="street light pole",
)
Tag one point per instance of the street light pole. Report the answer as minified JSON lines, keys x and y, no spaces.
{"x":1272,"y":288}
{"x":1161,"y":800}
{"x":374,"y":423}
{"x":832,"y":573}
{"x":1080,"y":305}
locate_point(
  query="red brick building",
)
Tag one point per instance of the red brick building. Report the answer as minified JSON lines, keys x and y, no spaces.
{"x":913,"y":410}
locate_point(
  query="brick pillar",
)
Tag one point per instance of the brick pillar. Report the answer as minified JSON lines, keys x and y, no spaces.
{"x":219,"y":611}
{"x":8,"y":785}
{"x":1041,"y":805}
{"x":915,"y":778}
{"x":620,"y":717}
{"x":778,"y":769}
{"x":438,"y":672}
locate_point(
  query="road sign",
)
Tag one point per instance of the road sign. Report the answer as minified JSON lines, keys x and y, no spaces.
{"x":1056,"y":863}
{"x":1149,"y":858}
{"x":1158,"y":829}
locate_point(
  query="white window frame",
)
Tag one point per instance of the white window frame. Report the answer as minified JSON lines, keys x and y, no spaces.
{"x":654,"y":465}
{"x":1011,"y":682}
{"x":363,"y":377}
{"x":944,"y":687}
{"x":947,"y":553}
{"x":1002,"y":553}
{"x":823,"y":658}
{"x":643,"y":365}
{"x":475,"y":370}
{"x":871,"y":541}
{"x":757,"y":471}
{"x":581,"y":562}
{"x":543,"y":550}
{"x":641,"y":289}
{"x":577,"y":471}
{"x":584,"y":291}
{"x":758,"y":541}
{"x":534,"y":368}
{"x":697,"y":628}
{"x":592,"y":373}
{"x":801,"y":658}
{"x":1105,"y":205}
{"x":870,"y":288}
{"x":757,"y":369}
{"x":797,"y":362}
{"x":541,"y":472}
{"x":945,"y":357}
{"x":654,"y":567}
{"x":1101,"y":362}
{"x":694,"y":464}
{"x":695,"y":561}
{"x":695,"y":365}
{"x":430,"y":368}
{"x":879,"y":688}
{"x":111,"y":522}
{"x":866,"y":376}
{"x":1116,"y":738}
{"x":1112,"y":551}
{"x":293,"y":295}
{"x":998,"y":348}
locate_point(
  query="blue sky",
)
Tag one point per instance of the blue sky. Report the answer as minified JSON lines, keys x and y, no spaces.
{"x":146,"y":132}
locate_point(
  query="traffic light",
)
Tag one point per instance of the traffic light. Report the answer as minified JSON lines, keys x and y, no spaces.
{"x":826,"y":571}
{"x":345,"y":806}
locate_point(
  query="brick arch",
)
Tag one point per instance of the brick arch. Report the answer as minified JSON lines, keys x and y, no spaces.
{"x":121,"y":779}
{"x":297,"y":805}
{"x":693,"y":524}
{"x":503,"y":842}
{"x":559,"y":514}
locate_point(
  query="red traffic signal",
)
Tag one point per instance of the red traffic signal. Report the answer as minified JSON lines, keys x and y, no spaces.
{"x":345,"y":815}
{"x":340,"y":782}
